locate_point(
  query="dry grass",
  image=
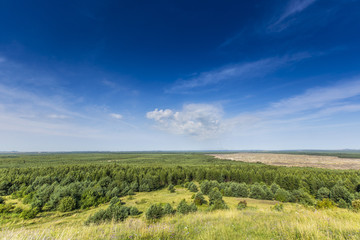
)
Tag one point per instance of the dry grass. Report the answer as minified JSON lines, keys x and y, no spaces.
{"x":329,"y":162}
{"x":296,"y":222}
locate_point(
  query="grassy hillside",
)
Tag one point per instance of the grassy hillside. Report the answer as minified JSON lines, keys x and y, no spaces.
{"x":258,"y":221}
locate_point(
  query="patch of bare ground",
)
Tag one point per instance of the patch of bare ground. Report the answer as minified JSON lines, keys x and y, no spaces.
{"x":292,"y":160}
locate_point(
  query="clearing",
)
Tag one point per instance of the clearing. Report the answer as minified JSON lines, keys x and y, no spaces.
{"x":295,"y":160}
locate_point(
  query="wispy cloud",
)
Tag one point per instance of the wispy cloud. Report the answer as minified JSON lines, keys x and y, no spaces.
{"x":313,"y":106}
{"x":316,"y":99}
{"x":238,"y":72}
{"x":116,"y":116}
{"x":115,"y":87}
{"x":293,"y":7}
{"x":197,"y":120}
{"x":57,"y":116}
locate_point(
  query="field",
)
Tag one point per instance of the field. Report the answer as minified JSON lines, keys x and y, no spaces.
{"x":282,"y":202}
{"x":258,"y":221}
{"x":297,"y":160}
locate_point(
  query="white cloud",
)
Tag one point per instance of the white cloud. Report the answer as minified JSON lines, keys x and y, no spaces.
{"x":57,"y":116}
{"x":241,"y":71}
{"x":293,"y":7}
{"x":116,"y":115}
{"x":316,"y":99}
{"x":314,"y":106}
{"x":311,"y":108}
{"x":198,"y":120}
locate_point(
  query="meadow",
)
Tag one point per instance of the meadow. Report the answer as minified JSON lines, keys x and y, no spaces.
{"x":53,"y":196}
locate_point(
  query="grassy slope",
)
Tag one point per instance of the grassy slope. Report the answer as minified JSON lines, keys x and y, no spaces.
{"x":259,"y":221}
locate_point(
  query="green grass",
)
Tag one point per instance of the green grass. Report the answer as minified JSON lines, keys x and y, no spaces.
{"x":258,"y":221}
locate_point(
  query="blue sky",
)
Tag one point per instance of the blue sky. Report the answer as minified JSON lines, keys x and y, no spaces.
{"x":179,"y":75}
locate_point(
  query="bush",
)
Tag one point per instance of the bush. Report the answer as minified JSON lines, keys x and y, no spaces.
{"x":323,"y":193}
{"x":134,"y":211}
{"x":18,"y":210}
{"x":282,"y":195}
{"x":274,"y":187}
{"x":199,"y":199}
{"x":2,"y":201}
{"x":218,"y":204}
{"x":29,"y":214}
{"x":113,"y":212}
{"x":184,"y":208}
{"x":171,"y":188}
{"x":154,"y":212}
{"x":339,"y":193}
{"x":67,"y":204}
{"x":192,"y":187}
{"x":168,"y":209}
{"x":6,"y":208}
{"x":300,"y":196}
{"x":356,"y":205}
{"x":325,"y":203}
{"x":242,"y":205}
{"x":278,"y":207}
{"x":114,"y":201}
{"x":205,"y":187}
{"x":342,"y":204}
{"x":242,"y":190}
{"x":257,"y":192}
{"x":214,"y":195}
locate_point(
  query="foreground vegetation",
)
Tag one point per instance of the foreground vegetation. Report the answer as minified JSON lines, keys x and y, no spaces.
{"x":173,"y":196}
{"x":259,"y":220}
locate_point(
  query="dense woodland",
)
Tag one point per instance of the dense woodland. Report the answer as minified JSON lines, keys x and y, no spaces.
{"x":81,"y":186}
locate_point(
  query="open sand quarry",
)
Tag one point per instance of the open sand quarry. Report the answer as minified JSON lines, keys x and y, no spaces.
{"x":329,"y":162}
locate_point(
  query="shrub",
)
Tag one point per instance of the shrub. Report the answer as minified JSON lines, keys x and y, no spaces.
{"x":242,"y":205}
{"x":282,"y":195}
{"x":67,"y":204}
{"x":214,"y":195}
{"x":342,"y":204}
{"x":192,"y":187}
{"x":6,"y":208}
{"x":205,"y":187}
{"x":257,"y":192}
{"x":154,"y":212}
{"x":339,"y":192}
{"x":134,"y":211}
{"x":168,"y":209}
{"x":29,"y":214}
{"x":325,"y":203}
{"x":323,"y":193}
{"x":278,"y":207}
{"x":218,"y":204}
{"x":2,"y":201}
{"x":300,"y":196}
{"x":18,"y":210}
{"x":274,"y":187}
{"x":199,"y":199}
{"x":113,"y":212}
{"x":184,"y":208}
{"x":171,"y":188}
{"x":268,"y":193}
{"x":114,"y":201}
{"x":356,"y":205}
